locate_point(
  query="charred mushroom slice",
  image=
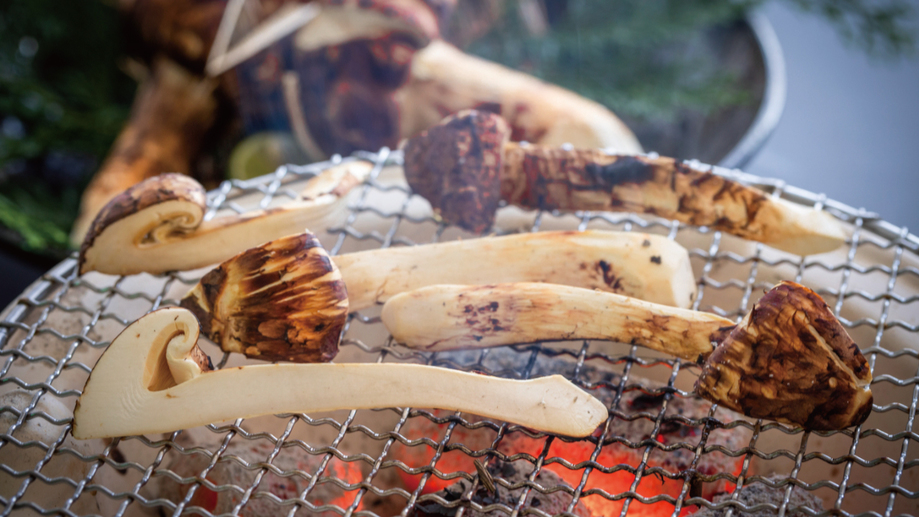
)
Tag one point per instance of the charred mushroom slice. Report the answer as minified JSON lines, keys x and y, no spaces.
{"x":789,"y":360}
{"x":135,"y":389}
{"x":619,"y":262}
{"x":157,"y":225}
{"x":465,"y":166}
{"x":282,"y":301}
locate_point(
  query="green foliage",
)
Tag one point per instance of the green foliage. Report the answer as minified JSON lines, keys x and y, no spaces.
{"x":642,"y":58}
{"x":24,"y":209}
{"x":649,"y":59}
{"x":62,"y":102}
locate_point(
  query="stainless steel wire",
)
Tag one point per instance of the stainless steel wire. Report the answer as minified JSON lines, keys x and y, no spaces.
{"x":52,"y":334}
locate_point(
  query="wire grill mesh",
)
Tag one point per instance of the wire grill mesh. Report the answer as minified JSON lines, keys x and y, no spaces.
{"x":54,"y":332}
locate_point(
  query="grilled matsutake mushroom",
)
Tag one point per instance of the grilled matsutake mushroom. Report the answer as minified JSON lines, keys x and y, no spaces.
{"x":282,"y":301}
{"x":644,"y":266}
{"x":288,"y":301}
{"x":172,"y":113}
{"x":154,"y":379}
{"x":346,"y":66}
{"x":367,"y":74}
{"x":156,"y":226}
{"x":231,"y":301}
{"x":466,"y":165}
{"x":788,"y":360}
{"x":445,"y":80}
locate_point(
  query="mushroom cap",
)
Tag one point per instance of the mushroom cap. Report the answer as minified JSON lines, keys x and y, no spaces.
{"x":790,"y":360}
{"x":456,"y":165}
{"x":282,"y":301}
{"x":152,"y":191}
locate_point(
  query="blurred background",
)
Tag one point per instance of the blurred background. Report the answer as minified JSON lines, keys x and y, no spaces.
{"x":690,"y":78}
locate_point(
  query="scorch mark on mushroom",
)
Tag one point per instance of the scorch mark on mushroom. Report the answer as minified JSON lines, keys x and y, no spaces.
{"x":282,"y":301}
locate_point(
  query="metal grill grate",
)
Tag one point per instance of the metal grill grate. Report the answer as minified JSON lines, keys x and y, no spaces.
{"x":55,"y":331}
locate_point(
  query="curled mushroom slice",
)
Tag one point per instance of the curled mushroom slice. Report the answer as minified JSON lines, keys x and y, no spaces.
{"x":151,"y":380}
{"x":282,"y":301}
{"x":157,"y":225}
{"x":789,"y":360}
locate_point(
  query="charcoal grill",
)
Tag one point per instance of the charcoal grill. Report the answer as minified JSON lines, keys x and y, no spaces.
{"x":53,"y":333}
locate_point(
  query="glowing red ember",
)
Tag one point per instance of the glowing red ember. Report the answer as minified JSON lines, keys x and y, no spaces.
{"x":626,"y":442}
{"x":230,"y":472}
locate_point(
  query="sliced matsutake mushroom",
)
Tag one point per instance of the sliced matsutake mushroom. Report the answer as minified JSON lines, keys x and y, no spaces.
{"x":465,"y":166}
{"x":153,"y":379}
{"x":789,"y":360}
{"x":445,"y":79}
{"x":157,"y":225}
{"x":281,"y":301}
{"x":645,"y":266}
{"x":345,"y":66}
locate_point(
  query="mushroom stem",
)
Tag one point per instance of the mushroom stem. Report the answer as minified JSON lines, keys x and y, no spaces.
{"x":157,"y":226}
{"x":587,"y":179}
{"x":449,"y":317}
{"x":789,"y":359}
{"x":121,"y":398}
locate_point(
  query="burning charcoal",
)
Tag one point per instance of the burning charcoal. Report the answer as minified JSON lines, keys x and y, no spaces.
{"x":229,"y":471}
{"x":505,"y":475}
{"x":760,"y":493}
{"x":630,"y":432}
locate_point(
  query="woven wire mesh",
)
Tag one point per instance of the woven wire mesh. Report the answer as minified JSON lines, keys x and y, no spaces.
{"x":385,"y":462}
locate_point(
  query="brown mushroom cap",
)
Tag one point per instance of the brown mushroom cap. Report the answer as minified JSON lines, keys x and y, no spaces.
{"x":456,"y":165}
{"x":790,"y":360}
{"x":152,"y":191}
{"x":282,"y":301}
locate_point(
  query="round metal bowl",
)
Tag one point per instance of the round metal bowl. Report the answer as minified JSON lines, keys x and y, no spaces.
{"x":730,"y":136}
{"x":712,"y":92}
